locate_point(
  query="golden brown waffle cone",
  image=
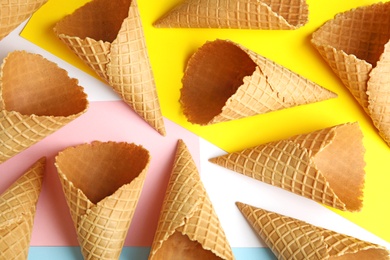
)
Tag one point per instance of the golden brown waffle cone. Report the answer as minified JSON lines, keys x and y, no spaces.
{"x":352,"y":46}
{"x":188,"y":226}
{"x":378,"y":94}
{"x":289,"y":238}
{"x":326,"y":165}
{"x":17,"y":212}
{"x":36,"y":99}
{"x":102,"y":183}
{"x":237,"y":14}
{"x":108,"y":36}
{"x":225,"y":81}
{"x":14,"y":12}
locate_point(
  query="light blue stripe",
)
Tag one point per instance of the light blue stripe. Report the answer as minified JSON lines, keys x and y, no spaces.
{"x":136,"y":253}
{"x":255,"y":253}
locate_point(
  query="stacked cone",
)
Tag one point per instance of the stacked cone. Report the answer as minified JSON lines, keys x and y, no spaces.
{"x":289,"y":238}
{"x":225,"y":81}
{"x":188,"y":227}
{"x":326,"y":166}
{"x":36,"y":99}
{"x":237,"y":14}
{"x":356,"y":45}
{"x":102,"y":183}
{"x":14,"y":12}
{"x":17,"y":212}
{"x":108,"y":36}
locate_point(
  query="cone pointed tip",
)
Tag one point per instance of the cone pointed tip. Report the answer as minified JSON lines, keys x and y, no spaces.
{"x":213,"y":160}
{"x":162,"y":130}
{"x":40,"y":163}
{"x":42,"y":160}
{"x":157,"y":24}
{"x":240,"y":205}
{"x":38,"y":167}
{"x":180,"y":145}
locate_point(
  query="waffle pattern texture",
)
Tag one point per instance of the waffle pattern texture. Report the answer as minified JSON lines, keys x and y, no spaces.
{"x":14,"y":12}
{"x":235,"y":82}
{"x":355,"y":44}
{"x":326,"y":165}
{"x":102,"y":183}
{"x":108,"y":36}
{"x":237,"y":14}
{"x":36,"y":99}
{"x":17,"y":212}
{"x":289,"y":238}
{"x":187,"y":209}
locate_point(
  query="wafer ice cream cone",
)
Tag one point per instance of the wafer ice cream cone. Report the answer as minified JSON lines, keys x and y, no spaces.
{"x":188,"y":226}
{"x":290,"y":238}
{"x":355,"y":44}
{"x":17,"y":212}
{"x":379,"y":95}
{"x":36,"y":99}
{"x":326,"y":165}
{"x":225,"y":81}
{"x":237,"y":14}
{"x":108,"y":36}
{"x":14,"y":12}
{"x":102,"y":183}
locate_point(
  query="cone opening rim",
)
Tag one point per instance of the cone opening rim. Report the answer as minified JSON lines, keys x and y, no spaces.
{"x":51,"y":94}
{"x":80,"y":25}
{"x":122,"y":165}
{"x":340,"y":170}
{"x":203,"y":97}
{"x":321,"y":37}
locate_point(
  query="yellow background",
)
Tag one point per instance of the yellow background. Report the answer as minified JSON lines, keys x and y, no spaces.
{"x":169,"y":49}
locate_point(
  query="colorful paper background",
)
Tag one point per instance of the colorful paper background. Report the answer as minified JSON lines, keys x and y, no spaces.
{"x":104,"y":121}
{"x":169,"y":49}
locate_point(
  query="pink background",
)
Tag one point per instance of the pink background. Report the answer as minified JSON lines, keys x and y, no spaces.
{"x":104,"y":121}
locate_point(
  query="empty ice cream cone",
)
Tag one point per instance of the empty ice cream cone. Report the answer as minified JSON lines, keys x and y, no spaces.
{"x":188,"y":226}
{"x":225,"y":81}
{"x":237,"y":14}
{"x":36,"y":99}
{"x":378,"y":94}
{"x":17,"y":212}
{"x":289,"y":238}
{"x":326,"y":165}
{"x":356,"y":46}
{"x":102,"y":183}
{"x":108,"y":36}
{"x":14,"y":12}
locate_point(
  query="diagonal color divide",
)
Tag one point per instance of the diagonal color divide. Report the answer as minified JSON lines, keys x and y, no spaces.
{"x":169,"y":50}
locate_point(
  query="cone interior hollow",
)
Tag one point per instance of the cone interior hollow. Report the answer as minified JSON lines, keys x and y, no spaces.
{"x":179,"y":246}
{"x":335,"y":163}
{"x":99,"y":20}
{"x":362,"y":32}
{"x":213,"y":75}
{"x":99,"y":169}
{"x":33,"y":85}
